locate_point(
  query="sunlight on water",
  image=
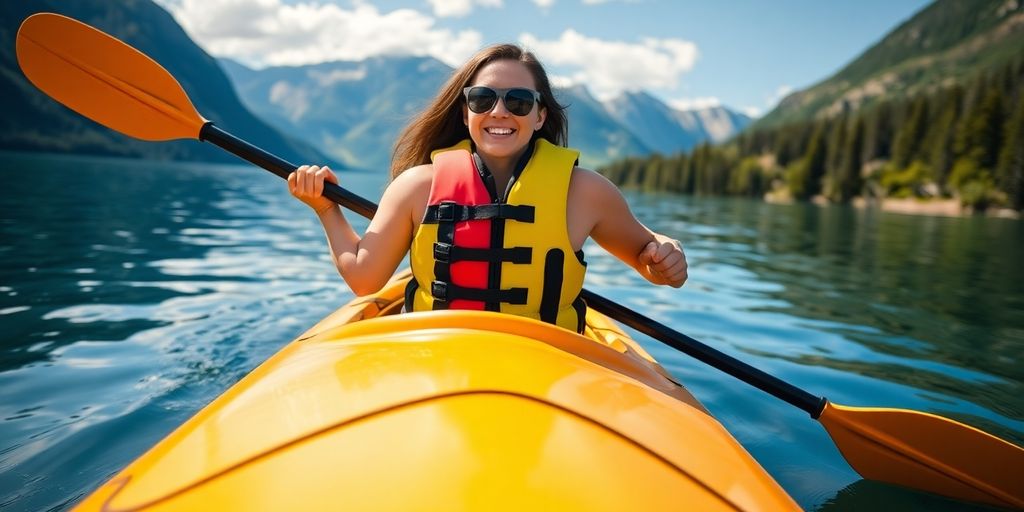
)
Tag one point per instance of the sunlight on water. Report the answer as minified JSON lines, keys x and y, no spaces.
{"x":133,"y":294}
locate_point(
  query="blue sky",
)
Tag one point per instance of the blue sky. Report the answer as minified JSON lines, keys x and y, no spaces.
{"x":743,"y":54}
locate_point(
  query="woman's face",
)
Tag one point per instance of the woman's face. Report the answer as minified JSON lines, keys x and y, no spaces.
{"x":499,"y":133}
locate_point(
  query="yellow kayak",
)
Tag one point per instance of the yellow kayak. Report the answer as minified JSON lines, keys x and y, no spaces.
{"x":448,"y":410}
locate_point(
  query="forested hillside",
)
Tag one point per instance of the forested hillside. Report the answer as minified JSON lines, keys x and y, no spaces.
{"x":964,"y":139}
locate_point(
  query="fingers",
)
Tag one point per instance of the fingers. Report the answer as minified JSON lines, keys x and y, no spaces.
{"x":329,"y":175}
{"x":307,"y":181}
{"x":293,"y":180}
{"x":647,"y":254}
{"x":665,"y":262}
{"x":322,"y":174}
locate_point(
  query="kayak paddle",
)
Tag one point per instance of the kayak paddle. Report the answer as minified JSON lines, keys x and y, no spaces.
{"x":115,"y":85}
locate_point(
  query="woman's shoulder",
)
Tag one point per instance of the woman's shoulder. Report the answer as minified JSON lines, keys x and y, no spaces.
{"x":414,"y":176}
{"x":590,"y":182}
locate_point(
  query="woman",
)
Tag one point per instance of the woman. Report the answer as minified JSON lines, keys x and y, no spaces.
{"x":489,"y":203}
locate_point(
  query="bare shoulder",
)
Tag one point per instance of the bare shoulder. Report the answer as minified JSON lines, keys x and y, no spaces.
{"x":591,"y":185}
{"x":414,"y":177}
{"x":410,"y":192}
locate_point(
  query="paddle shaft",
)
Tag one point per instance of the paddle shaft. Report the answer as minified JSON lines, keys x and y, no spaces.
{"x":242,"y":149}
{"x":743,"y":371}
{"x":774,"y":386}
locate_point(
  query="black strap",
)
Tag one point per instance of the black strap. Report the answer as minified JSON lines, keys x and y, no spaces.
{"x":449,"y":253}
{"x":410,"y":295}
{"x":552,"y":290}
{"x":451,"y":212}
{"x":446,"y":292}
{"x":580,"y":306}
{"x":445,"y":235}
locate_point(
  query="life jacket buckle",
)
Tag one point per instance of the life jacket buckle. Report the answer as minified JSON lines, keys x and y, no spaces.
{"x":439,"y":290}
{"x":442,"y":252}
{"x":446,"y":211}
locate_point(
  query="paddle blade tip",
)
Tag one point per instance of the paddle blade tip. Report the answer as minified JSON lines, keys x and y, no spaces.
{"x":928,"y":452}
{"x":104,"y":79}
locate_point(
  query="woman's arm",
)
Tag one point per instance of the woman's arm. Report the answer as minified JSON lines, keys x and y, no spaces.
{"x":366,"y":263}
{"x":603,"y":209}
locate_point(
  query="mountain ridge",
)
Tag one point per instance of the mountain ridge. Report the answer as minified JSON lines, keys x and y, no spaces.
{"x":35,"y":122}
{"x":350,"y":116}
{"x":946,"y":43}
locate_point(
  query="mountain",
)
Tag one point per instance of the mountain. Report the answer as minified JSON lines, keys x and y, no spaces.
{"x":592,"y":130}
{"x":718,"y":124}
{"x":32,"y":121}
{"x":659,"y":127}
{"x":949,"y":42}
{"x":353,"y":111}
{"x":666,"y":130}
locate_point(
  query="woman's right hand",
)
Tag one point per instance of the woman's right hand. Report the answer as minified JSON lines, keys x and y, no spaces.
{"x":307,"y":184}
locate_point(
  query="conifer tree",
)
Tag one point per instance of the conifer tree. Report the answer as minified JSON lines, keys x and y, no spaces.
{"x":847,"y":183}
{"x":1010,"y":169}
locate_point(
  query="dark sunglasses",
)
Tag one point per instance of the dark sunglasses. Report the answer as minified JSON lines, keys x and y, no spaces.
{"x":518,"y":100}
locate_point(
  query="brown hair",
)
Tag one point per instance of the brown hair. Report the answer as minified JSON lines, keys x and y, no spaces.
{"x":440,"y":124}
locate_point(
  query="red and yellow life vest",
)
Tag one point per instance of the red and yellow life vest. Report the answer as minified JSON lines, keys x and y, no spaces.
{"x":474,"y":250}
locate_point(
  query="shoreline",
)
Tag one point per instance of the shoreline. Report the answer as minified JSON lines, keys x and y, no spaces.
{"x":932,"y":207}
{"x":909,"y":206}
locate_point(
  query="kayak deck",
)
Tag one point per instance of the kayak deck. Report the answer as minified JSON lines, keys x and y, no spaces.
{"x":448,"y":410}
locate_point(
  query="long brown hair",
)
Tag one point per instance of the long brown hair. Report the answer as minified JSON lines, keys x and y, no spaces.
{"x":440,"y":124}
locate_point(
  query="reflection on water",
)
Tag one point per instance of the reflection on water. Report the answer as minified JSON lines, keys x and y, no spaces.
{"x":132,"y":293}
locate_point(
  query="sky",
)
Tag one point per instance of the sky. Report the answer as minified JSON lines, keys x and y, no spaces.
{"x":742,"y":54}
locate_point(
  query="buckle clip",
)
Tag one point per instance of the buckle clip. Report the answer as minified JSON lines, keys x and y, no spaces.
{"x":442,"y":252}
{"x":446,"y":211}
{"x":439,"y":290}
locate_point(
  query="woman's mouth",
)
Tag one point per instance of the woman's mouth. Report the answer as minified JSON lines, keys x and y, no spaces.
{"x":499,"y":131}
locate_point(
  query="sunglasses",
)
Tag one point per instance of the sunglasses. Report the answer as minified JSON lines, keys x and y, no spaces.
{"x":518,"y":100}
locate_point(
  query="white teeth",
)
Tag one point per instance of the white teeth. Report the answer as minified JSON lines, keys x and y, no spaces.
{"x":499,"y":131}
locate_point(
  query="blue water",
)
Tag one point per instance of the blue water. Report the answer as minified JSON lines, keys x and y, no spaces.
{"x":133,"y":293}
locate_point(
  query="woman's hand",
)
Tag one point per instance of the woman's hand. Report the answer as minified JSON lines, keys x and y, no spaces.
{"x":307,"y":184}
{"x":662,"y":262}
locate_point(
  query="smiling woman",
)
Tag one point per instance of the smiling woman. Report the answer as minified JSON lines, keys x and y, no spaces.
{"x":494,"y":208}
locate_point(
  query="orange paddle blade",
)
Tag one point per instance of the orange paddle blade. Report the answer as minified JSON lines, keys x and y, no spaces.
{"x":928,"y":452}
{"x":104,"y":79}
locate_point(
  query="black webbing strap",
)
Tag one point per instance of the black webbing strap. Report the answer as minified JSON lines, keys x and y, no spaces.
{"x":551,"y":292}
{"x":451,"y":212}
{"x":450,"y":253}
{"x":445,"y":235}
{"x":446,"y":292}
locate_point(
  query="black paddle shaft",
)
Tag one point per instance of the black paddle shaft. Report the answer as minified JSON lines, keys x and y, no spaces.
{"x":675,"y":339}
{"x":774,"y":386}
{"x":242,"y":149}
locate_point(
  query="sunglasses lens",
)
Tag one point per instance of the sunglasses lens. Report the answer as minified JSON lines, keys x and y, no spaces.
{"x":519,"y":101}
{"x":481,"y":99}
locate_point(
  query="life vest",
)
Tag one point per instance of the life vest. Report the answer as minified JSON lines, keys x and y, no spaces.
{"x":476,"y":250}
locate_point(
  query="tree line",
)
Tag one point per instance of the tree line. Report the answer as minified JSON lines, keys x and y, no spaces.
{"x":962,"y":140}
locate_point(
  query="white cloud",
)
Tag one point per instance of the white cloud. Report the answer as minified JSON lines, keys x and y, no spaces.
{"x":752,"y":112}
{"x":610,"y":67}
{"x":459,"y":8}
{"x":544,"y":4}
{"x":685,"y":104}
{"x":270,"y":32}
{"x":781,"y":92}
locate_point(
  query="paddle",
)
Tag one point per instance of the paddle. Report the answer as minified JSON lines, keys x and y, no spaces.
{"x":112,"y":83}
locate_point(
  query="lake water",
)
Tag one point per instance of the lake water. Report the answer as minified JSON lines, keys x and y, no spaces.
{"x":133,"y":293}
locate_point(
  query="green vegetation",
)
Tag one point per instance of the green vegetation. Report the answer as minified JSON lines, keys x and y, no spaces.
{"x":964,"y":141}
{"x":947,"y":42}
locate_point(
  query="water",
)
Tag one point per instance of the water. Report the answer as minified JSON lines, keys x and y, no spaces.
{"x":133,"y":293}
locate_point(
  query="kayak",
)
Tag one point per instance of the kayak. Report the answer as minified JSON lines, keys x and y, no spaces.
{"x":375,"y":409}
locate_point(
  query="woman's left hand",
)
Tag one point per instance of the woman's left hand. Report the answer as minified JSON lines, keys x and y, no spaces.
{"x":662,"y":262}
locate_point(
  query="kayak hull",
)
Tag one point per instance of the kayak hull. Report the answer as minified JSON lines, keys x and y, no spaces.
{"x":448,"y":410}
